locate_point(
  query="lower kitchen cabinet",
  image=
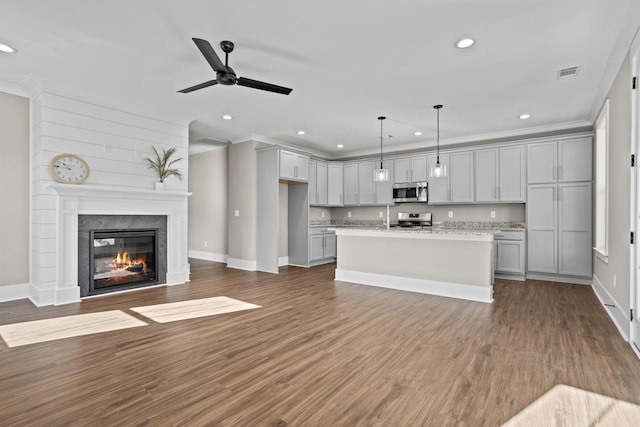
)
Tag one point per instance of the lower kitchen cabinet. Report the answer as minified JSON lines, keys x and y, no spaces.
{"x":322,"y":246}
{"x":510,"y":253}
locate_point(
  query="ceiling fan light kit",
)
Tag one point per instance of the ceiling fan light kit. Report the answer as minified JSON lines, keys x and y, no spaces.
{"x":225,"y":75}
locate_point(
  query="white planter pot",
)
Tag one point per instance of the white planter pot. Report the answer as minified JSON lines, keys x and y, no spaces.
{"x":159,"y":186}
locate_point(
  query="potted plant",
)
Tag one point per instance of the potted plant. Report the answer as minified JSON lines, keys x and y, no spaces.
{"x":162,"y":165}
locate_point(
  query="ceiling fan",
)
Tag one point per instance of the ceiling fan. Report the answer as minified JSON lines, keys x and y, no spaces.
{"x":225,"y":74}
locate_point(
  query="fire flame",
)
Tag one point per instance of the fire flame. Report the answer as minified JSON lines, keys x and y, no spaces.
{"x":123,"y":261}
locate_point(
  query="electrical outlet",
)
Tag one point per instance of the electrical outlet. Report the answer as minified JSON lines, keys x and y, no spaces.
{"x":205,"y":243}
{"x":348,"y":214}
{"x":493,"y":214}
{"x":450,"y":214}
{"x":322,"y":214}
{"x":236,"y":213}
{"x":380,"y":214}
{"x":614,"y":280}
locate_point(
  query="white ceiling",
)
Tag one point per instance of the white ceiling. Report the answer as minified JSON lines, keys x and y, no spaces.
{"x":348,"y":62}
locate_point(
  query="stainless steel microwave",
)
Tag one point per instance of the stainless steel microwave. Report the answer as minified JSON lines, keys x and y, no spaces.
{"x":415,"y":192}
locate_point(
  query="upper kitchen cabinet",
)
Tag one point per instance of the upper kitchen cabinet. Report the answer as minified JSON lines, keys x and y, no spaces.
{"x":350,"y":184}
{"x":439,"y":191}
{"x":461,"y":177}
{"x":366,"y":185}
{"x":384,"y":190}
{"x":410,"y":169}
{"x":566,"y":160}
{"x":334,"y":185}
{"x":294,"y":166}
{"x":360,"y":189}
{"x":321,"y":184}
{"x":313,"y":187}
{"x":500,"y":174}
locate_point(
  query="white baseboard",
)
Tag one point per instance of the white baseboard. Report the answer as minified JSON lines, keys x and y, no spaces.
{"x":242,"y":264}
{"x":283,"y":260}
{"x":208,"y":256}
{"x":517,"y":277}
{"x":612,"y":308}
{"x":431,"y":287}
{"x":14,"y":292}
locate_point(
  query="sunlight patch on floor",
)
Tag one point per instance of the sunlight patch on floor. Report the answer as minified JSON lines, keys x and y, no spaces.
{"x":174,"y":311}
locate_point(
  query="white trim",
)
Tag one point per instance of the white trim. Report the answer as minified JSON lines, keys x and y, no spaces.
{"x":602,"y":247}
{"x":601,"y":255}
{"x":516,"y":277}
{"x":423,"y":286}
{"x":416,"y":234}
{"x":242,"y":264}
{"x":634,"y":188}
{"x":208,"y":256}
{"x":14,"y":292}
{"x":561,"y":279}
{"x":283,"y":260}
{"x":612,"y":308}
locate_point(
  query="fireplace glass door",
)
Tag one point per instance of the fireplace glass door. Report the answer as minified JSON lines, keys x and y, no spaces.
{"x":123,"y":259}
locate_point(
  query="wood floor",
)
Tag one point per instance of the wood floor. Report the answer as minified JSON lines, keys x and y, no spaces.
{"x":317,"y":352}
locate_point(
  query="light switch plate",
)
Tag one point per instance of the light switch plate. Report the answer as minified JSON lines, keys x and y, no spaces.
{"x":493,"y":214}
{"x":450,"y":214}
{"x":236,"y":213}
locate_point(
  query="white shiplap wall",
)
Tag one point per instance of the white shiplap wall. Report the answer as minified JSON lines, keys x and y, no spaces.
{"x":114,"y":143}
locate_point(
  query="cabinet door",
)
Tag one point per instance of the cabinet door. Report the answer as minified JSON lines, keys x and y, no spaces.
{"x":313,"y":190}
{"x":302,"y":167}
{"x":461,"y":179}
{"x":418,"y":169}
{"x":384,"y":190}
{"x":487,"y":175}
{"x":510,"y":256}
{"x":287,"y":164}
{"x":330,"y":246}
{"x":334,"y":184}
{"x":321,"y":183}
{"x":511,"y":187}
{"x":439,"y":187}
{"x":316,"y":247}
{"x":542,"y":228}
{"x":542,"y":162}
{"x":574,"y":223}
{"x":366,"y":184}
{"x":351,"y":184}
{"x":575,"y":159}
{"x":401,"y":171}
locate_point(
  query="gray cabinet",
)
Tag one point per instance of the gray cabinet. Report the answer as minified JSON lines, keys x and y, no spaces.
{"x":294,"y":166}
{"x":321,"y":184}
{"x":461,"y":177}
{"x":351,"y":184}
{"x":510,"y":253}
{"x":360,"y":189}
{"x":313,"y":188}
{"x":384,"y":190}
{"x":322,"y":246}
{"x":500,"y":174}
{"x":559,"y":229}
{"x":565,"y":160}
{"x":334,"y":184}
{"x":439,"y":191}
{"x":410,"y":169}
{"x":366,"y":184}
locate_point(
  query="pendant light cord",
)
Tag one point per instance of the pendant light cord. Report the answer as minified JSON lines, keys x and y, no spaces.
{"x":381,"y":118}
{"x":438,"y":107}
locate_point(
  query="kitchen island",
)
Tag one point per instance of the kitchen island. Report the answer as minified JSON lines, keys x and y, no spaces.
{"x":450,"y":263}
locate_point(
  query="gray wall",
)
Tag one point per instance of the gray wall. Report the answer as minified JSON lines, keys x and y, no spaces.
{"x":14,"y":191}
{"x":618,"y":226}
{"x":208,"y":214}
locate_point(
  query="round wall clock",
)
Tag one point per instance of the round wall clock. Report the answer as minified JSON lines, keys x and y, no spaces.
{"x":69,"y":169}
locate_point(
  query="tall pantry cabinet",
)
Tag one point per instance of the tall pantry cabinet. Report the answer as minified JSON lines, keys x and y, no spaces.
{"x":559,"y":208}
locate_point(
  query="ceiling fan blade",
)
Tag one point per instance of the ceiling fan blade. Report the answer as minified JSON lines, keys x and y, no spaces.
{"x":210,"y":55}
{"x":200,"y":86}
{"x":255,"y":84}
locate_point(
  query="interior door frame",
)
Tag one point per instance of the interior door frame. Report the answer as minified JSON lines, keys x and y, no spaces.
{"x":634,"y":274}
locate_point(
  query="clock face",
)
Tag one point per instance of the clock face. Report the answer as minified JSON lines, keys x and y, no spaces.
{"x":69,"y":169}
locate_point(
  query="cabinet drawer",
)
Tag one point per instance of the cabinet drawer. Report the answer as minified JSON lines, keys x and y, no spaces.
{"x":509,"y":235}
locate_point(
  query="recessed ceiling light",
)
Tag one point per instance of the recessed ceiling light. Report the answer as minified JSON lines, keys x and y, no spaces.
{"x":418,"y":133}
{"x":300,"y":132}
{"x":340,"y":146}
{"x":525,"y":116}
{"x":227,"y":117}
{"x":464,"y":43}
{"x":6,"y":49}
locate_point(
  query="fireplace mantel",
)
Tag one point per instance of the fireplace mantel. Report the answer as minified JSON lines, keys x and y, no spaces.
{"x":91,"y":190}
{"x":94,"y":199}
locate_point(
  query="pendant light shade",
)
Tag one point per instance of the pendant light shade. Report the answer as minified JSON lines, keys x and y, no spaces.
{"x":437,"y":170}
{"x":382,"y":174}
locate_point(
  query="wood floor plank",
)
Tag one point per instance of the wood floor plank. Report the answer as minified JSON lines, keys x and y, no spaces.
{"x":321,"y":352}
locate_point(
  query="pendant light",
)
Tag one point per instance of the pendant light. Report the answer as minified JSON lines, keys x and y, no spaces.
{"x":382,"y":174}
{"x":438,"y":170}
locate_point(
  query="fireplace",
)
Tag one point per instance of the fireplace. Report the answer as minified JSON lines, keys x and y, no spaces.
{"x":122,"y":259}
{"x":121,"y":252}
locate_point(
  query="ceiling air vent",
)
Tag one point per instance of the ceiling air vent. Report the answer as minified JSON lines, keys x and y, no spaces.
{"x":568,"y":72}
